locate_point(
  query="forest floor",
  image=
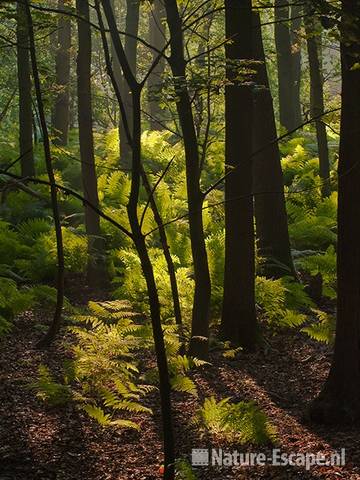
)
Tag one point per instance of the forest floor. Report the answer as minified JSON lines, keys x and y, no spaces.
{"x":62,"y":443}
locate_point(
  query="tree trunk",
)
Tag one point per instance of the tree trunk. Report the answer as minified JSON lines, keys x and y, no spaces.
{"x":166,"y":250}
{"x":25,"y":107}
{"x":270,"y":210}
{"x":238,"y":322}
{"x":340,"y":399}
{"x":61,"y":114}
{"x":134,"y":131}
{"x":130,"y":47}
{"x":139,"y":240}
{"x":317,"y":98}
{"x":288,"y":69}
{"x":96,"y":270}
{"x":295,"y":36}
{"x":155,"y":82}
{"x":201,"y":309}
{"x":56,"y":322}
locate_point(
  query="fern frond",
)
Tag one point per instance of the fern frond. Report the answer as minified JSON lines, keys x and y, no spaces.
{"x":183,"y":384}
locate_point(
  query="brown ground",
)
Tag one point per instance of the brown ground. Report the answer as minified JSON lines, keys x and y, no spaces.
{"x":37,"y":442}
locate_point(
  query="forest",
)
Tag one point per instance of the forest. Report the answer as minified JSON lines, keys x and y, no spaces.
{"x":179,"y":239}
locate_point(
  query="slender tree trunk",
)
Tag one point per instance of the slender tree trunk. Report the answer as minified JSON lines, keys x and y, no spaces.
{"x":155,"y":82}
{"x":148,"y":272}
{"x":201,"y":308}
{"x":317,"y":98}
{"x":96,"y":270}
{"x":133,"y":133}
{"x":238,"y":316}
{"x":270,"y":210}
{"x":288,"y":68}
{"x":130,"y":47}
{"x":25,"y":106}
{"x":166,"y":251}
{"x":56,"y":323}
{"x":61,"y":114}
{"x":339,"y":400}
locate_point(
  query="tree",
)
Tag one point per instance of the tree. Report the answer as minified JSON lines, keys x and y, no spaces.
{"x":296,"y":40}
{"x":270,"y":210}
{"x":61,"y":113}
{"x":339,"y":400}
{"x":133,"y":132}
{"x":25,"y":104}
{"x":96,"y":271}
{"x":288,"y":68}
{"x":313,"y":40}
{"x":56,"y":321}
{"x":130,"y":47}
{"x":155,"y":82}
{"x":238,"y":322}
{"x":201,"y":306}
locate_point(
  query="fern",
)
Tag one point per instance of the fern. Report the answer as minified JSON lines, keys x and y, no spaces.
{"x":295,"y":295}
{"x":12,"y":302}
{"x":31,"y":229}
{"x":45,"y":297}
{"x":104,"y":362}
{"x":183,"y":470}
{"x":241,"y":422}
{"x":183,"y":384}
{"x":323,"y":330}
{"x":275,"y":296}
{"x":49,"y":391}
{"x":313,"y":232}
{"x":323,"y":263}
{"x":40,"y":263}
{"x":98,"y":414}
{"x":105,"y":419}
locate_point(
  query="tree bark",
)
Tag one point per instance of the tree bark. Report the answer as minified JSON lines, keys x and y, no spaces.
{"x":238,"y":322}
{"x":199,"y":343}
{"x":270,"y":210}
{"x":288,"y":69}
{"x":295,"y":36}
{"x":134,"y":131}
{"x":61,"y":114}
{"x":96,"y":269}
{"x":130,"y":47}
{"x":155,"y":82}
{"x":317,"y":98}
{"x":166,"y":251}
{"x":56,"y":322}
{"x":339,"y":400}
{"x":25,"y":106}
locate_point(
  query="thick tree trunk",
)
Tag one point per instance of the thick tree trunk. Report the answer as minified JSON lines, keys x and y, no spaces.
{"x":317,"y":98}
{"x":25,"y":107}
{"x":61,"y":114}
{"x":295,"y":36}
{"x":130,"y":47}
{"x":155,"y":82}
{"x":288,"y":68}
{"x":340,"y":399}
{"x":201,"y":308}
{"x":270,"y":210}
{"x":96,"y":270}
{"x":239,"y":323}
